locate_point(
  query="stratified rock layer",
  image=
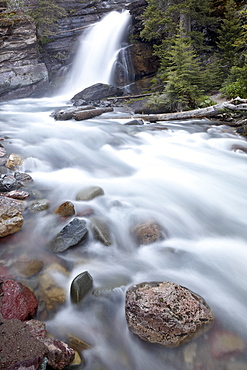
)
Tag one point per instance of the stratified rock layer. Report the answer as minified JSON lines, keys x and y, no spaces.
{"x":165,"y":313}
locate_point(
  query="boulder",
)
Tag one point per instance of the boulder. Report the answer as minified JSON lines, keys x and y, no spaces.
{"x":16,"y":300}
{"x":80,"y":286}
{"x":97,"y":92}
{"x":165,"y":313}
{"x":11,"y":219}
{"x":71,"y":235}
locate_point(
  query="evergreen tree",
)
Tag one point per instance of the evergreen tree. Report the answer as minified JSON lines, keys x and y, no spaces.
{"x":228,"y":33}
{"x":184,"y":77}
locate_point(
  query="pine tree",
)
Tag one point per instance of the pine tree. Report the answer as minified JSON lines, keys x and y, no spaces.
{"x":184,"y":77}
{"x":230,"y":30}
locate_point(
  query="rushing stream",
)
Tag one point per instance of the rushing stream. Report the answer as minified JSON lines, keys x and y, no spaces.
{"x":185,"y":175}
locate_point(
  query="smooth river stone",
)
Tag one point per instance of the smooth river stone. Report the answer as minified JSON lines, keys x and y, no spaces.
{"x":89,"y":193}
{"x":80,"y":286}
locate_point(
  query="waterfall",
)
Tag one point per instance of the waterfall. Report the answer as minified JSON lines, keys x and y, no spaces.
{"x":98,"y":50}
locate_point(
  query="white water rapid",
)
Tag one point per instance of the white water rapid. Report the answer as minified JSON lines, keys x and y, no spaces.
{"x":190,"y":176}
{"x":97,"y":52}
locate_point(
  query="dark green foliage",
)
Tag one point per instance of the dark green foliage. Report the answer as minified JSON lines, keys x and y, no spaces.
{"x":184,"y":75}
{"x":208,"y":53}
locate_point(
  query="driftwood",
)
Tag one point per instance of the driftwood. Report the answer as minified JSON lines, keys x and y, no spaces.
{"x":237,"y":104}
{"x":87,"y":114}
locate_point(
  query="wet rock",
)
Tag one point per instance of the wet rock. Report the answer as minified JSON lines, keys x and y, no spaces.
{"x":80,"y":286}
{"x":8,"y":183}
{"x":50,"y":292}
{"x":165,"y":312}
{"x":89,"y":193}
{"x":17,"y":301}
{"x":11,"y":219}
{"x":16,"y":194}
{"x":147,"y":232}
{"x":65,"y":209}
{"x":101,"y":231}
{"x":224,"y":343}
{"x":71,"y":235}
{"x":2,"y":151}
{"x":19,"y":349}
{"x":239,"y":148}
{"x":58,"y":353}
{"x":134,"y":122}
{"x":77,"y":344}
{"x":97,"y":92}
{"x":23,"y":178}
{"x":14,"y":161}
{"x":39,"y":205}
{"x":27,"y":267}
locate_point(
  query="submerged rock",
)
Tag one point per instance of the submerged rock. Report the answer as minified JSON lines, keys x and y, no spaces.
{"x":80,"y":286}
{"x":147,"y":232}
{"x":165,"y":313}
{"x":16,"y":300}
{"x":101,"y":231}
{"x":39,"y":205}
{"x":71,"y":235}
{"x":89,"y":193}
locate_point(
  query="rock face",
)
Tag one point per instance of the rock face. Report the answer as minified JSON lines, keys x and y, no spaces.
{"x":21,"y":73}
{"x":16,"y":300}
{"x":165,"y":313}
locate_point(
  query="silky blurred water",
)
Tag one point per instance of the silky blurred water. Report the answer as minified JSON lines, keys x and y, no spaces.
{"x":186,"y":176}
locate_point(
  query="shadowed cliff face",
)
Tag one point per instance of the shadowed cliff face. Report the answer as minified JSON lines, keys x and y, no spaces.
{"x":28,"y":69}
{"x":21,"y":72}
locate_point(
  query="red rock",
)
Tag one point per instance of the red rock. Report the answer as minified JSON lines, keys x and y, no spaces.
{"x":16,"y":300}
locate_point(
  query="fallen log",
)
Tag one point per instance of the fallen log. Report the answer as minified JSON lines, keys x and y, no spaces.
{"x":87,"y":114}
{"x":208,"y":112}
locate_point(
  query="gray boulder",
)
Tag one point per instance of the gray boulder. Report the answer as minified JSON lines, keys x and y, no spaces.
{"x":97,"y":92}
{"x":71,"y":235}
{"x":165,"y":313}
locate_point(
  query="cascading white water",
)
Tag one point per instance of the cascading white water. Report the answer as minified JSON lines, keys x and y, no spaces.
{"x":97,"y":53}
